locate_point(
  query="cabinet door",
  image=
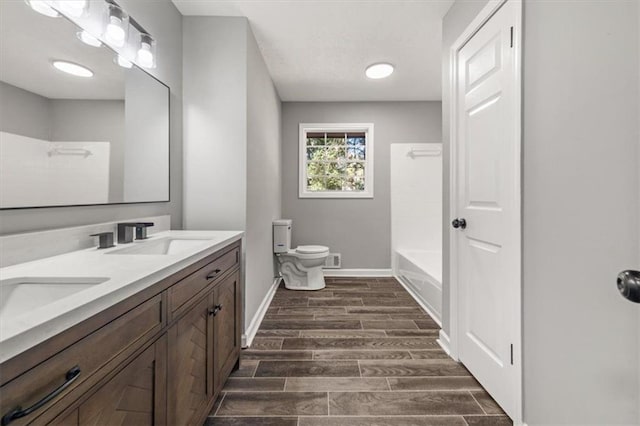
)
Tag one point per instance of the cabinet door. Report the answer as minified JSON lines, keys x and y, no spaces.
{"x":190,"y":371}
{"x":134,"y":396}
{"x":68,"y":420}
{"x":227,"y":324}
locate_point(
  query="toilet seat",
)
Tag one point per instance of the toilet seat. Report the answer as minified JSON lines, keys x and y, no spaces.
{"x":308,"y":252}
{"x":311,"y":249}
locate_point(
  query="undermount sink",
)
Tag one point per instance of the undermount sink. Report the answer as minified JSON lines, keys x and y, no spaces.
{"x":20,"y":295}
{"x":161,"y":246}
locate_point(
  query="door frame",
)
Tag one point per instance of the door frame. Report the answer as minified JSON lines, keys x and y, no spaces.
{"x":485,"y":14}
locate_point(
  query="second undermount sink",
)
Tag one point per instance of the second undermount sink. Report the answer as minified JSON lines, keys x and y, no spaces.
{"x":168,"y":245}
{"x":20,"y":295}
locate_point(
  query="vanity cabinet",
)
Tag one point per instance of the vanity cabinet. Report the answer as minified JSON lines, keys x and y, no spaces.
{"x":190,"y":373}
{"x":227,"y":333}
{"x":159,"y":357}
{"x":136,"y":395}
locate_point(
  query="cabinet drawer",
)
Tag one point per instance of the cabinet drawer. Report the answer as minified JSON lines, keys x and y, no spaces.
{"x":184,"y":290}
{"x":88,"y":355}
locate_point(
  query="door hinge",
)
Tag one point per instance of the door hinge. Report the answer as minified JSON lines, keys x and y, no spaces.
{"x":511,"y":37}
{"x":512,"y":354}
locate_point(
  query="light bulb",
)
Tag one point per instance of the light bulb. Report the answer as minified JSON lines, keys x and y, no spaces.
{"x":74,"y":8}
{"x":43,"y":8}
{"x":145,"y":53}
{"x":87,"y":38}
{"x":116,"y":30}
{"x":145,"y":57}
{"x":123,"y":62}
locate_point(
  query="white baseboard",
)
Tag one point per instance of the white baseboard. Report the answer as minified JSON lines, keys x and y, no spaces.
{"x":444,"y":342}
{"x":357,"y":272}
{"x":254,"y":325}
{"x":419,"y":301}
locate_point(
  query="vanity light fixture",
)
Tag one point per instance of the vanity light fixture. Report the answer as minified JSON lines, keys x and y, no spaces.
{"x":123,"y":62}
{"x":73,"y":8}
{"x":87,"y":38}
{"x":146,"y":53}
{"x":117,"y":26}
{"x":43,"y":8}
{"x":379,"y":70}
{"x":73,"y":69}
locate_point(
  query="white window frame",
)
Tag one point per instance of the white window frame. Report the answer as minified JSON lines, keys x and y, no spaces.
{"x":305,"y":128}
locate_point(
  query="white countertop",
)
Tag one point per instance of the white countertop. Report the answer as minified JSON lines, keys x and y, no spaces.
{"x":127,"y":275}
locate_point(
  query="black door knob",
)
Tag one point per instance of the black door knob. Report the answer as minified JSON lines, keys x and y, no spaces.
{"x":459,"y":223}
{"x":629,"y":285}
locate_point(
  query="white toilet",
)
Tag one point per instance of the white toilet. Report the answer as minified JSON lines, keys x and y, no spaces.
{"x":301,"y":268}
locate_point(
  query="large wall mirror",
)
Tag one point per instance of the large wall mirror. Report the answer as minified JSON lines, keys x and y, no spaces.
{"x":75,"y":136}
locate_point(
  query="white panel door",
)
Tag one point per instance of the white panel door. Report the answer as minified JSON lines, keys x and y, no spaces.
{"x":487,"y":198}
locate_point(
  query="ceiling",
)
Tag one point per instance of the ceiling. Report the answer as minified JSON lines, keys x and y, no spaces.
{"x":29,"y":42}
{"x":317,"y":50}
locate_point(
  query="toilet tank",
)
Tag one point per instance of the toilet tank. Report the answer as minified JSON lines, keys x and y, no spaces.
{"x":281,"y":235}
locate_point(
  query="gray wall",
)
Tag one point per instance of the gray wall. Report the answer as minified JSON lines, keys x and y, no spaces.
{"x":24,"y":113}
{"x":454,"y":23}
{"x":162,"y":19}
{"x":232,"y":143}
{"x":581,"y":143}
{"x":358,"y":228}
{"x":146,"y":149}
{"x":264,"y":175}
{"x":215,"y":122}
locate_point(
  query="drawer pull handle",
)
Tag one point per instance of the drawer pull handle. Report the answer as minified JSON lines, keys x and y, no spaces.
{"x":213,"y":274}
{"x":215,"y":310}
{"x":18,"y":412}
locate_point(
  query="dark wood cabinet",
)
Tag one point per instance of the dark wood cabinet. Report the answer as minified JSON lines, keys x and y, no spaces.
{"x":190,"y":372}
{"x":227,"y":327}
{"x":160,"y":357}
{"x":134,"y":396}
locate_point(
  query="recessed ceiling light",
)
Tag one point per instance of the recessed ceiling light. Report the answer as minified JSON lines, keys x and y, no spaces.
{"x":73,"y":69}
{"x":87,"y":38}
{"x":377,"y":71}
{"x":43,"y":8}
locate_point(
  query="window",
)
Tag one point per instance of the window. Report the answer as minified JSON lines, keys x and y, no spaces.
{"x":336,"y":161}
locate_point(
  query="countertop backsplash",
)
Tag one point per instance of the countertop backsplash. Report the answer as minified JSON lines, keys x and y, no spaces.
{"x":26,"y":247}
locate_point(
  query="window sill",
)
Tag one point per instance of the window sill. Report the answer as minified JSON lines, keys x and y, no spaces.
{"x":336,"y":195}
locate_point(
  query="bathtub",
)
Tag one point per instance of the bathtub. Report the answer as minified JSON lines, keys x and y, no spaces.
{"x":421,"y":272}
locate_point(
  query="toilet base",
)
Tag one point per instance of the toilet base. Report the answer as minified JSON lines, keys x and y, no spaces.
{"x":294,"y":279}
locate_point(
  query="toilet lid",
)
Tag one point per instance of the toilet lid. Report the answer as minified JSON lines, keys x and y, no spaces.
{"x":311,"y":249}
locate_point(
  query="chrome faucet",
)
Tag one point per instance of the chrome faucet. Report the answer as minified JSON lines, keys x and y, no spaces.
{"x":141,"y":230}
{"x":125,"y":232}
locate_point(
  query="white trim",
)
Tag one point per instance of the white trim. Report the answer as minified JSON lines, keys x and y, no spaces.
{"x":485,"y":14}
{"x":367,"y":128}
{"x":419,"y":300}
{"x":357,"y":272}
{"x":254,"y":325}
{"x":444,"y":342}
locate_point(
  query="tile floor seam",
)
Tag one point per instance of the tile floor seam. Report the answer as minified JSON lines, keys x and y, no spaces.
{"x":477,"y":402}
{"x":220,"y":405}
{"x":328,"y":405}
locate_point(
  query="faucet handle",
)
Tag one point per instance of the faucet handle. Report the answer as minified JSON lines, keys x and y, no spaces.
{"x":141,"y":230}
{"x":105,"y":239}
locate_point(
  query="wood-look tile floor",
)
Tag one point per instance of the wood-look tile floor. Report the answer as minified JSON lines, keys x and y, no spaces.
{"x":360,"y":352}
